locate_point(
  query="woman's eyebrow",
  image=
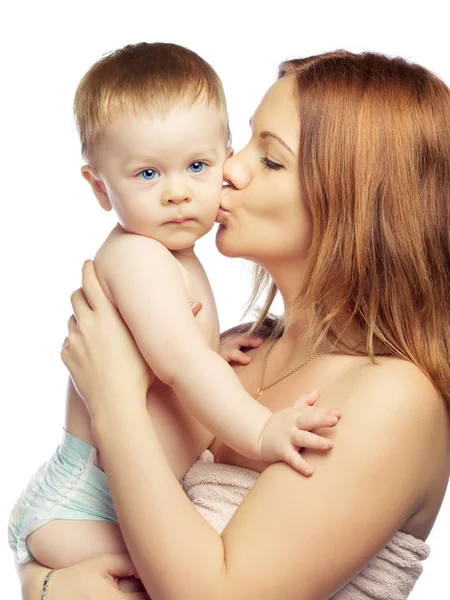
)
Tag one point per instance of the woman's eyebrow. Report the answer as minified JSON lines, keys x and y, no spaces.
{"x":265,"y":134}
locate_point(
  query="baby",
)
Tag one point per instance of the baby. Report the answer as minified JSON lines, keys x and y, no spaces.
{"x":154,"y":132}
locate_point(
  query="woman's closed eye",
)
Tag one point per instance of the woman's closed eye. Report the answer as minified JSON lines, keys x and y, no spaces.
{"x":269,"y":164}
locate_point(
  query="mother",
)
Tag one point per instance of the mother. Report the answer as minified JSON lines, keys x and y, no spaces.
{"x":341,"y":200}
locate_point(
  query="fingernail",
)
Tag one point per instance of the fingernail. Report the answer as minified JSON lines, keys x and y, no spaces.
{"x":332,"y":420}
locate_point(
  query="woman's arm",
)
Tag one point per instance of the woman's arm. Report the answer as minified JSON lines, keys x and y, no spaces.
{"x":289,"y":529}
{"x":96,"y":578}
{"x":31,"y":577}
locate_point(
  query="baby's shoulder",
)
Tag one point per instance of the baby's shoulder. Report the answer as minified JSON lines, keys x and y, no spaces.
{"x":123,"y":243}
{"x":124,"y":252}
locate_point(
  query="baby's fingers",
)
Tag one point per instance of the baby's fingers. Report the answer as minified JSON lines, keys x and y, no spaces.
{"x":297,"y":462}
{"x":313,"y":420}
{"x":321,"y":410}
{"x":306,"y":439}
{"x":307,"y":399}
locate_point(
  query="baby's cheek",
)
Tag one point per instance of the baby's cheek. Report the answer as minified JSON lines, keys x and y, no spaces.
{"x":211,"y":200}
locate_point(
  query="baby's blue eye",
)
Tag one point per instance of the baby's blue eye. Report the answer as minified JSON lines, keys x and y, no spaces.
{"x":148,"y":174}
{"x":196,"y":167}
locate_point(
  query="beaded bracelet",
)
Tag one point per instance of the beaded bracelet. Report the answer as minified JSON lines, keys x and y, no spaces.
{"x":46,"y":583}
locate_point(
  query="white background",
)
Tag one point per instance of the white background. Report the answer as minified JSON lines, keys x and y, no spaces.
{"x":51,"y":221}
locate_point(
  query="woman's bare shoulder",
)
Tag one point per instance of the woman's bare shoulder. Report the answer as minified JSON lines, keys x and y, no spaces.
{"x":392,"y":382}
{"x":361,"y":493}
{"x":404,"y":406}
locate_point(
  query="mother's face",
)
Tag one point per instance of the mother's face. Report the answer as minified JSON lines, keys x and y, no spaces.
{"x":264,"y":218}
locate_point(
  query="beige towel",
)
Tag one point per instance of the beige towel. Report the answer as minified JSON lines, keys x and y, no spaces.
{"x":217,"y":490}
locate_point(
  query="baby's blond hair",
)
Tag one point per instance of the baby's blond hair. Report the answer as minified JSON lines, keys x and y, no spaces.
{"x":141,"y":77}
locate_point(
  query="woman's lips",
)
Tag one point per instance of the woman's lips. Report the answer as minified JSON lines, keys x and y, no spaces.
{"x":222,"y":214}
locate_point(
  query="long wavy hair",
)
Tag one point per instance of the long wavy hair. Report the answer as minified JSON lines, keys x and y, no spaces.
{"x":374,"y":164}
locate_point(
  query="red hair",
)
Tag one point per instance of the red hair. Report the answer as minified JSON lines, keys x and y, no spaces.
{"x":374,"y":163}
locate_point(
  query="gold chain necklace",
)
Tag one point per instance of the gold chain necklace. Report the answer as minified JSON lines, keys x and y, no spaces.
{"x":263,"y":388}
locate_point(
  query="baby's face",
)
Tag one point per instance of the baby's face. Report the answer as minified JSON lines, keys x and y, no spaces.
{"x":163,"y":175}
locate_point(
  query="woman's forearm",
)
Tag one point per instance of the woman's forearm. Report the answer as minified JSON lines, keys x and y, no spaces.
{"x":31,"y":576}
{"x":158,"y":532}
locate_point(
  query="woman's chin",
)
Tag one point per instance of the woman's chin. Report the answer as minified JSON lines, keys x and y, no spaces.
{"x":225,"y":244}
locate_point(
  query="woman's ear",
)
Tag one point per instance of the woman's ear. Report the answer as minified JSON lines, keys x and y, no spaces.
{"x":97,"y":185}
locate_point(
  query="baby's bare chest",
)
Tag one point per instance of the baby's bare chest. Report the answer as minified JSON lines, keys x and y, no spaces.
{"x":199,"y":290}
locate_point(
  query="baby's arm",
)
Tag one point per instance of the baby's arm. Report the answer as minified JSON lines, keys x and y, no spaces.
{"x":148,"y":288}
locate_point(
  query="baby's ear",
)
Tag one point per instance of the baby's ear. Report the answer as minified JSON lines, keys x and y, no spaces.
{"x":97,"y":185}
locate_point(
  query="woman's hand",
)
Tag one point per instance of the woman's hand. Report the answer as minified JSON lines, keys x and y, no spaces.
{"x":90,"y":579}
{"x":104,"y":362}
{"x":231,"y":347}
{"x":100,"y":353}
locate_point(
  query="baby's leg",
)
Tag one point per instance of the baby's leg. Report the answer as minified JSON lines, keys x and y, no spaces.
{"x":65,"y":514}
{"x":62,"y":543}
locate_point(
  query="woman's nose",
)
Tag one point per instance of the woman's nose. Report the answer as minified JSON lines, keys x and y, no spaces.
{"x":235,"y":172}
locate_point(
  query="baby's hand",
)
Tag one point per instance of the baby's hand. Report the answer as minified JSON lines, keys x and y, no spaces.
{"x":289,"y":430}
{"x":230,"y":348}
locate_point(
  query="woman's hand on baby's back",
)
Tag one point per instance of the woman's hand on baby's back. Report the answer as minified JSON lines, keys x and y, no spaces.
{"x":290,"y":430}
{"x":231,"y":347}
{"x":196,"y":307}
